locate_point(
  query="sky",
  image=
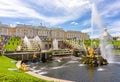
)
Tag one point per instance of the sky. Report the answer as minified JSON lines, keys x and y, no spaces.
{"x":66,"y":14}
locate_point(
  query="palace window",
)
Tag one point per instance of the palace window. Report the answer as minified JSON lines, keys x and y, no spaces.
{"x":58,"y":34}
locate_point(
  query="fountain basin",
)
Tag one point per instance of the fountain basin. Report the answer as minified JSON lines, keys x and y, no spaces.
{"x":78,"y":72}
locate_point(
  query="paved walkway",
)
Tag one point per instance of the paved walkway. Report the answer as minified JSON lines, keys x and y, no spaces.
{"x":47,"y":78}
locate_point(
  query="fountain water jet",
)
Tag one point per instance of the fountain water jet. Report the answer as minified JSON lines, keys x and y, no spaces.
{"x":96,"y":23}
{"x":38,"y":40}
{"x":84,"y":47}
{"x":105,"y":46}
{"x":92,"y":59}
{"x":55,"y":44}
{"x":106,"y":49}
{"x":27,"y":43}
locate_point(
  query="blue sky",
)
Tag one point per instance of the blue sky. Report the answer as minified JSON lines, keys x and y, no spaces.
{"x":66,"y":14}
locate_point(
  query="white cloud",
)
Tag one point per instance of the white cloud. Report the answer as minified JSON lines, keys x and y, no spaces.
{"x":69,"y":9}
{"x":17,"y":22}
{"x":111,"y":9}
{"x":85,"y":22}
{"x":114,"y":28}
{"x":74,"y":23}
{"x":15,"y":8}
{"x":12,"y":25}
{"x":116,"y":34}
{"x":87,"y":30}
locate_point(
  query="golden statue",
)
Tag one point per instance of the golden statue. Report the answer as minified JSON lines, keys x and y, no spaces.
{"x":91,"y":52}
{"x":23,"y":67}
{"x":34,"y":55}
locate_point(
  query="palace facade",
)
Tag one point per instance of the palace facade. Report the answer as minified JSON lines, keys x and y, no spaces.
{"x":30,"y":31}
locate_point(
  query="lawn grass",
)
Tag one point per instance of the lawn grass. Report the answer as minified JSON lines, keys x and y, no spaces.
{"x":93,"y":42}
{"x":116,"y":43}
{"x":14,"y":76}
{"x":12,"y":44}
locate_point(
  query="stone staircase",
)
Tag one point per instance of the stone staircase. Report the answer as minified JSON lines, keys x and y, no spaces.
{"x":73,"y":44}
